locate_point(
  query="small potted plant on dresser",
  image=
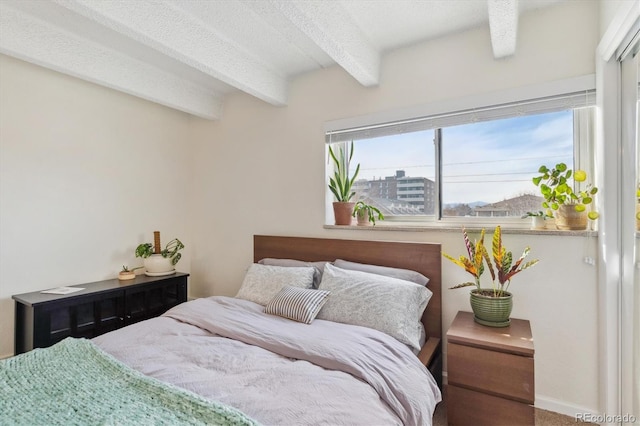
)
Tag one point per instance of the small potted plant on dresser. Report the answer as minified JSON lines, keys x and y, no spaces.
{"x":570,"y":207}
{"x":127,"y":273}
{"x":160,"y":261}
{"x":340,"y":184}
{"x":366,"y":214}
{"x":490,"y":306}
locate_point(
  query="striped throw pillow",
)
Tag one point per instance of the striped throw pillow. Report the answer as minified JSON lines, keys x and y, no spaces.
{"x":298,"y":304}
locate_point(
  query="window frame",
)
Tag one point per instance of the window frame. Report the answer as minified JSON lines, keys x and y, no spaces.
{"x":568,"y":94}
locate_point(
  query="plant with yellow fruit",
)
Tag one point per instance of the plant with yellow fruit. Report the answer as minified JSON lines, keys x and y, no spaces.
{"x":638,"y":207}
{"x":557,"y":188}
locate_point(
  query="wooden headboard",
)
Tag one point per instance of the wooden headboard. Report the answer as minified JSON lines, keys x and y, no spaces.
{"x":421,"y":257}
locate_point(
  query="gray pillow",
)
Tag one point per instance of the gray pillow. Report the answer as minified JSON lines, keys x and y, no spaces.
{"x":317,"y":275}
{"x":262,"y":282}
{"x":401,"y":274}
{"x":383,"y":303}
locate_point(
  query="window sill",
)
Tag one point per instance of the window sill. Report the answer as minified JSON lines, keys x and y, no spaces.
{"x":450,"y":228}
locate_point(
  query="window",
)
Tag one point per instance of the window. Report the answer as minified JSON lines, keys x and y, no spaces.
{"x":473,"y":164}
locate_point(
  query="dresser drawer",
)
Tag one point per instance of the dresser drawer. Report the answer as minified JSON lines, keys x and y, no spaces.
{"x":466,"y":407}
{"x":497,"y":373}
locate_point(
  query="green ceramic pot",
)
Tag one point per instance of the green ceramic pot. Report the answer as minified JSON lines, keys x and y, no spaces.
{"x":491,"y":311}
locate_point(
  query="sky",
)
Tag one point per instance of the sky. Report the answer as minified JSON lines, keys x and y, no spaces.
{"x":485,"y":161}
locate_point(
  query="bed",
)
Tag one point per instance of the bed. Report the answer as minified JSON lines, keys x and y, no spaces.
{"x":421,"y":257}
{"x":267,"y":369}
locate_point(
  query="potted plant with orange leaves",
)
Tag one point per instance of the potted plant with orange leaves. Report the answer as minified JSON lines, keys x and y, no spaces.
{"x":491,"y":306}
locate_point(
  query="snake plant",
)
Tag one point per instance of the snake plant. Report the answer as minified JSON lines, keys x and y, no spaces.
{"x":340,"y":184}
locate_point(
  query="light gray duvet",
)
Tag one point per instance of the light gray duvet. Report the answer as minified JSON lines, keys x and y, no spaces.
{"x":277,"y":371}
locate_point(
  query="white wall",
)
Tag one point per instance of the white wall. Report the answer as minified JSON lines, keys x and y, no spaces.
{"x":86,"y":173}
{"x":608,"y":11}
{"x":260,"y":170}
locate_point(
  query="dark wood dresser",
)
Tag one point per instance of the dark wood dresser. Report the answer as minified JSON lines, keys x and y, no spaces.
{"x":44,"y":319}
{"x":490,"y":373}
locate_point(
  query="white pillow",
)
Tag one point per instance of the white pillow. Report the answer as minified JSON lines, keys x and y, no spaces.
{"x":383,"y":303}
{"x":262,"y":282}
{"x":298,"y":304}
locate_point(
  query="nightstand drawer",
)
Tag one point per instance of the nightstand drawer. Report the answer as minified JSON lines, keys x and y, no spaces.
{"x":478,"y":409}
{"x":497,"y":373}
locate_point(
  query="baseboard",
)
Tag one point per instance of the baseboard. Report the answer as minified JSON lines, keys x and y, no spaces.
{"x":562,"y":407}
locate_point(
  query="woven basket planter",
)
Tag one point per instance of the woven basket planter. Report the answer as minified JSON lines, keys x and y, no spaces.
{"x":568,"y":219}
{"x":491,"y":311}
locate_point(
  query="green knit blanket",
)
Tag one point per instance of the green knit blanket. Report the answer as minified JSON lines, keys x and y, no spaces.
{"x":76,"y":383}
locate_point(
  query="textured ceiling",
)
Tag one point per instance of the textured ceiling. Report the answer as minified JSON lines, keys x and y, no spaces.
{"x":188,"y":54}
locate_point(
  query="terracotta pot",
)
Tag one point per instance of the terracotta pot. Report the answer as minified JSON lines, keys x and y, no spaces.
{"x":568,"y":219}
{"x":342,"y":212}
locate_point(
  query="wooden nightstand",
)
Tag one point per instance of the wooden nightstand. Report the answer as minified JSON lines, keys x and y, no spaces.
{"x":490,"y":373}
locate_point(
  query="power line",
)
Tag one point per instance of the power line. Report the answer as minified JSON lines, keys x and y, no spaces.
{"x":546,"y":157}
{"x":489,"y":181}
{"x":492,"y":174}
